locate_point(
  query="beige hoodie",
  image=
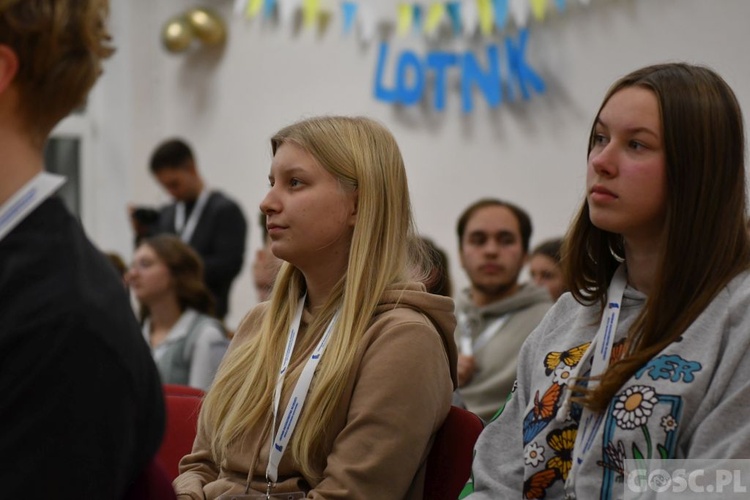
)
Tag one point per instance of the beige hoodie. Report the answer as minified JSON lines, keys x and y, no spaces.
{"x":398,"y":395}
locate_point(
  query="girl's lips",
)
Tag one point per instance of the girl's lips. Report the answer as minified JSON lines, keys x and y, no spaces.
{"x":273,"y":229}
{"x":599,"y":193}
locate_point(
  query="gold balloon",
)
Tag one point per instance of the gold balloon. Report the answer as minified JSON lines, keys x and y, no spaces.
{"x":207,"y":26}
{"x":177,"y":35}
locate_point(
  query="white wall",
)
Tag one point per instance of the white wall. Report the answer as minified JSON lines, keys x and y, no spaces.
{"x":229,"y":102}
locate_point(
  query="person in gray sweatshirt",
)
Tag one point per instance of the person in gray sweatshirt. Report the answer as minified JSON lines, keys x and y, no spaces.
{"x":646,"y":357}
{"x":496,"y":312}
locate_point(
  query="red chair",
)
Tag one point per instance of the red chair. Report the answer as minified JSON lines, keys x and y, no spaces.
{"x":152,"y":484}
{"x":449,"y":461}
{"x":182,"y":424}
{"x":182,"y":390}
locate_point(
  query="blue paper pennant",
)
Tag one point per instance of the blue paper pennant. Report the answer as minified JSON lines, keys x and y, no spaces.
{"x":454,"y":11}
{"x":349,"y":10}
{"x":501,"y":13}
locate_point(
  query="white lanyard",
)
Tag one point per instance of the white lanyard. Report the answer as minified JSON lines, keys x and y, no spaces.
{"x":26,"y":199}
{"x":299,"y":394}
{"x":600,"y":351}
{"x":469,"y":346}
{"x":186,"y":230}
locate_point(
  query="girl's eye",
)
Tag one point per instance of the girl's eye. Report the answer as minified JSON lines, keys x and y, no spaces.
{"x":636,"y":145}
{"x":294,"y":182}
{"x":600,"y":139}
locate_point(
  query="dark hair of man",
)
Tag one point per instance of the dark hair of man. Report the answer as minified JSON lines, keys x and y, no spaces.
{"x":706,"y":244}
{"x":174,"y":153}
{"x":524,"y":221}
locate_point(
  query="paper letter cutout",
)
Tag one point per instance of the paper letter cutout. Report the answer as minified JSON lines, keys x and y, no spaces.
{"x":381,"y":93}
{"x":439,"y":63}
{"x":519,"y":68}
{"x":489,"y":82}
{"x":406,"y":95}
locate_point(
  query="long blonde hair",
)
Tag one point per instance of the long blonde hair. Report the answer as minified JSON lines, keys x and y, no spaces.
{"x":364,"y":155}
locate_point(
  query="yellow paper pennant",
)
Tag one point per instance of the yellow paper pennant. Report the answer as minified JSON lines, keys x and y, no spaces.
{"x":310,"y":9}
{"x":405,"y":19}
{"x":252,"y":8}
{"x":434,"y":16}
{"x":486,"y":16}
{"x":538,"y":8}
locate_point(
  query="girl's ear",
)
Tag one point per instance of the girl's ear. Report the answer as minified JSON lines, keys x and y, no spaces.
{"x":355,"y":205}
{"x":8,"y":67}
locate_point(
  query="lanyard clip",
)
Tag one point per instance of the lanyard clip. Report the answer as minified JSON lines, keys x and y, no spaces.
{"x":268,"y":490}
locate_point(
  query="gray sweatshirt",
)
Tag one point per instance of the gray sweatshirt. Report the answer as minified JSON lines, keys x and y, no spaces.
{"x":692,"y":400}
{"x":496,"y":358}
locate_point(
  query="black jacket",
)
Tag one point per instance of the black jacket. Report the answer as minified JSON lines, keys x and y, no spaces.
{"x":81,"y":405}
{"x":219,"y":238}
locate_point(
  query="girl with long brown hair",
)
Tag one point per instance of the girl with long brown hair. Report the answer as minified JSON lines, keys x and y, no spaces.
{"x":646,"y":358}
{"x":186,"y":340}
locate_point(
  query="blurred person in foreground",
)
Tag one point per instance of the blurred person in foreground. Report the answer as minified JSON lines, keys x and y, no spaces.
{"x":82,"y":410}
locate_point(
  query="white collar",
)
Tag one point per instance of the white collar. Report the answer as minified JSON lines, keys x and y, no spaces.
{"x":25,"y":200}
{"x":178,"y":331}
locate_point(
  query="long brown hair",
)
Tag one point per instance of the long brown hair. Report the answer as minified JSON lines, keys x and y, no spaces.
{"x":706,"y":242}
{"x":186,"y":268}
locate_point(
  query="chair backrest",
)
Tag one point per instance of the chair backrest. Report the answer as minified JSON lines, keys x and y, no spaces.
{"x":449,"y":461}
{"x":182,"y":390}
{"x":152,"y":484}
{"x":182,"y":424}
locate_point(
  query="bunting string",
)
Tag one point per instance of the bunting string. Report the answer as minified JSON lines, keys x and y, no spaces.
{"x":458,"y":17}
